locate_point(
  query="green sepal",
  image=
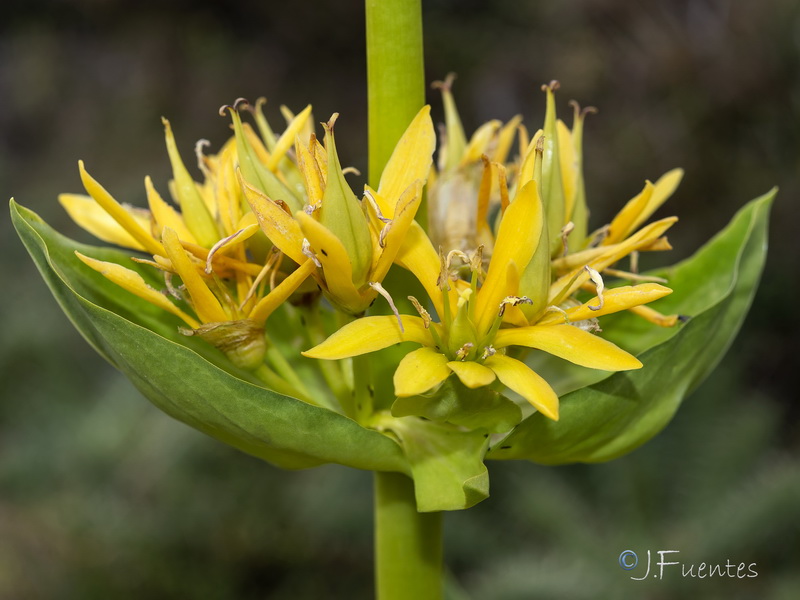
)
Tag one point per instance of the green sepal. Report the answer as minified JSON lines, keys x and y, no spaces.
{"x":552,"y":184}
{"x":453,"y":402}
{"x":193,"y":208}
{"x":343,"y":214}
{"x":603,"y":421}
{"x":208,"y":392}
{"x":256,"y":173}
{"x":446,"y":462}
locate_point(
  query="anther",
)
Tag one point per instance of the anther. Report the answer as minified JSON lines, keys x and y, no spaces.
{"x":512,"y":301}
{"x":463,"y":352}
{"x":382,"y":291}
{"x":426,"y":316}
{"x":598,"y":282}
{"x":310,"y":253}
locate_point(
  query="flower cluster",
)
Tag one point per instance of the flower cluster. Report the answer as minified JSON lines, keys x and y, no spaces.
{"x":506,"y":258}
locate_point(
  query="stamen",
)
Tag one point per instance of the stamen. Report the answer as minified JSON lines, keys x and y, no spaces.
{"x":634,"y":256}
{"x":201,"y":159}
{"x":512,"y":301}
{"x":598,"y":282}
{"x":171,"y":289}
{"x":309,"y":209}
{"x":215,"y":248}
{"x":382,"y":291}
{"x":565,"y":231}
{"x":463,"y":352}
{"x":273,"y":259}
{"x":487,"y":352}
{"x":443,"y":281}
{"x":368,"y":195}
{"x":456,"y":253}
{"x":558,"y":309}
{"x":426,"y":316}
{"x":309,"y":253}
{"x":352,"y":170}
{"x":634,"y":276}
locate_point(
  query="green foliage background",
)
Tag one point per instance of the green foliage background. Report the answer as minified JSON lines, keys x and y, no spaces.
{"x":103,"y":496}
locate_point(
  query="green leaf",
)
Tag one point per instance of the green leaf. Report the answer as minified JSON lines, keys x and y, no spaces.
{"x":446,"y":462}
{"x":610,"y":418}
{"x":177,"y":373}
{"x":455,"y":403}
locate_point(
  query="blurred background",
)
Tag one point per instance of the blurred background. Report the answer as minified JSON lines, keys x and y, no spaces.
{"x":102,"y":496}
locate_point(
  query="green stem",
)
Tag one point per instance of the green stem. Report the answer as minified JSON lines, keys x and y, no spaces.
{"x":408,"y":544}
{"x":331,"y":370}
{"x":395,"y":75}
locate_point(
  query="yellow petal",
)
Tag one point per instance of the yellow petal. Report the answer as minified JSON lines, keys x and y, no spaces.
{"x":335,"y":262}
{"x":164,"y":215}
{"x":517,"y":239}
{"x":505,"y":139}
{"x":89,"y":215}
{"x":278,"y":225}
{"x":288,"y":137}
{"x":614,"y":300}
{"x":407,"y":207}
{"x":479,"y":142}
{"x":204,"y":302}
{"x":133,"y":282}
{"x":419,"y":371}
{"x":625,"y":221}
{"x":410,"y":160}
{"x":418,"y":256}
{"x":655,"y":317}
{"x":312,"y":175}
{"x":570,"y":343}
{"x":369,"y":334}
{"x":516,"y":376}
{"x":118,"y":212}
{"x":566,"y":285}
{"x":472,"y":374}
{"x":267,"y":305}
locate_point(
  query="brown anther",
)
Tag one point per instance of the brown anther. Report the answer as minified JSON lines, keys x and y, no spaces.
{"x":426,"y":316}
{"x":512,"y":301}
{"x":463,"y":352}
{"x":382,"y":291}
{"x":445,"y":85}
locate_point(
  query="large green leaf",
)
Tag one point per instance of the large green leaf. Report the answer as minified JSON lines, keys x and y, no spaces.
{"x":181,"y":379}
{"x":605,"y":420}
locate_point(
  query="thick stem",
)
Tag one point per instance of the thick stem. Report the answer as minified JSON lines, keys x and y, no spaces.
{"x":395,"y":75}
{"x":408,"y":544}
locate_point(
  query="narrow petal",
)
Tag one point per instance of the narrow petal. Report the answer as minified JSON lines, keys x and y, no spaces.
{"x":419,"y":371}
{"x":517,"y":239}
{"x":287,"y":138}
{"x":418,"y":256}
{"x":407,"y":207}
{"x":566,"y":285}
{"x":479,"y":142}
{"x":472,"y":374}
{"x":118,"y":212}
{"x":336,"y":264}
{"x":133,"y":282}
{"x":90,"y":216}
{"x":625,"y":221}
{"x":655,"y":317}
{"x":570,"y":343}
{"x":278,"y":225}
{"x":267,"y":305}
{"x":369,"y":334}
{"x":516,"y":376}
{"x":410,"y":160}
{"x":204,"y":302}
{"x":164,"y":215}
{"x":615,"y":300}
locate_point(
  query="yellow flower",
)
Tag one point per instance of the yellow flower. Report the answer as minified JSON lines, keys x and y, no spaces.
{"x":230,"y":279}
{"x":352,"y":242}
{"x":473,"y":335}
